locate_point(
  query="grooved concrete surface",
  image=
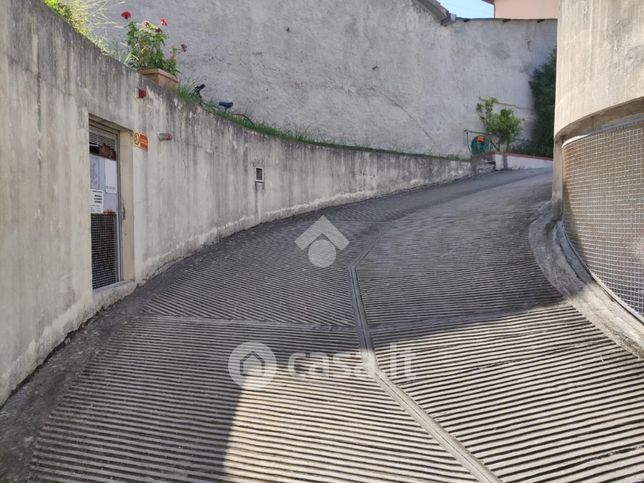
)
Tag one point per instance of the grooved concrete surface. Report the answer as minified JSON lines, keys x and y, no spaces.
{"x":458,"y":315}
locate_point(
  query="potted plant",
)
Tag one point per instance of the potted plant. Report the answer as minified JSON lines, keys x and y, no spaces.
{"x":146,"y":42}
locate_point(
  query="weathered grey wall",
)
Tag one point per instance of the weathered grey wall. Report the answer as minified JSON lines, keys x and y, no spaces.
{"x":381,"y":73}
{"x":600,"y":71}
{"x":600,"y":60}
{"x":178,"y":195}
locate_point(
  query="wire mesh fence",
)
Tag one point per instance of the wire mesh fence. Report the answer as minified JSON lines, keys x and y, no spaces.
{"x":604,"y":208}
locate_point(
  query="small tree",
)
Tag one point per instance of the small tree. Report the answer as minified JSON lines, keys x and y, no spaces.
{"x":505,"y":124}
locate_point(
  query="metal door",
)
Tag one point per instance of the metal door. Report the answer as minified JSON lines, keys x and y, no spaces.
{"x":105,"y":206}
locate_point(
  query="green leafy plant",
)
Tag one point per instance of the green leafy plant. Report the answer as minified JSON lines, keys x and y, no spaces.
{"x":146,"y":42}
{"x":186,"y":91}
{"x":305,"y":138}
{"x":84,"y":16}
{"x":74,"y":12}
{"x":505,"y":124}
{"x":543,"y":86}
{"x":533,"y":149}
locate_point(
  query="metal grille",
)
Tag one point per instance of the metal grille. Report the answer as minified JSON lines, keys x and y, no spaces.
{"x":604,"y":208}
{"x":96,"y":139}
{"x":104,"y":250}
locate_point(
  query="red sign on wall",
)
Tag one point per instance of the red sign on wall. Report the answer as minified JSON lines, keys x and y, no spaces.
{"x":141,"y":141}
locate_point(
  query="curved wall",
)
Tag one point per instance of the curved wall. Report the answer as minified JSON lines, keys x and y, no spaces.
{"x":600,"y":59}
{"x":603,"y":207}
{"x":380,"y":73}
{"x":599,"y":153}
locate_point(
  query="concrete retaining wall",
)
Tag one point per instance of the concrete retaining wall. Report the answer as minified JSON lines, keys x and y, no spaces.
{"x":380,"y":73}
{"x":519,"y":161}
{"x":177,"y":196}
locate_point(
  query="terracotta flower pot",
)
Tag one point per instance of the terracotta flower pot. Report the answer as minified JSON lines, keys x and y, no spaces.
{"x":161,"y":77}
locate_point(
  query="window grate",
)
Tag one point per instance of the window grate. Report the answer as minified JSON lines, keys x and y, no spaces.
{"x":96,"y":139}
{"x":603,"y":210}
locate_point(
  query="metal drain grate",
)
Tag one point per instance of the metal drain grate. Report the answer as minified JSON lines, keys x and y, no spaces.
{"x":604,"y":208}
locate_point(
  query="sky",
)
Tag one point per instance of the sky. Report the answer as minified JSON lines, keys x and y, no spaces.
{"x":468,"y":8}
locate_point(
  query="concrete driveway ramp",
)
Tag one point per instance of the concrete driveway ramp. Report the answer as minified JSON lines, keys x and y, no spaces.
{"x":432,"y":349}
{"x":158,"y":404}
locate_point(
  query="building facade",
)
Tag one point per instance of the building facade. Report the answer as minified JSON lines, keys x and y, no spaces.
{"x":525,"y":9}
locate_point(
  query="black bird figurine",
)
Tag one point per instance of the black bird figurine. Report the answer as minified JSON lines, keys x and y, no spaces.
{"x":226,"y":105}
{"x":198,"y":89}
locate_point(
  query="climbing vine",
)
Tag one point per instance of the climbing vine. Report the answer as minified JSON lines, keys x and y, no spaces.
{"x":543,"y":86}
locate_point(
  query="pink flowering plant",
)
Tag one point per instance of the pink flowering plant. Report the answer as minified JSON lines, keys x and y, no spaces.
{"x":146,"y":43}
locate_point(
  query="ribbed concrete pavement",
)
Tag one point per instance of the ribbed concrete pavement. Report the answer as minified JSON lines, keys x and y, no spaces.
{"x":455,"y":360}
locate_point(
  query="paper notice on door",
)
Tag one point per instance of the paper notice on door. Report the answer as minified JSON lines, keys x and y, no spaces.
{"x":96,"y":201}
{"x":111,"y":177}
{"x":95,"y":169}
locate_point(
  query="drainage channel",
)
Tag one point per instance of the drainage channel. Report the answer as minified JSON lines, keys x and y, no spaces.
{"x":429,"y":424}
